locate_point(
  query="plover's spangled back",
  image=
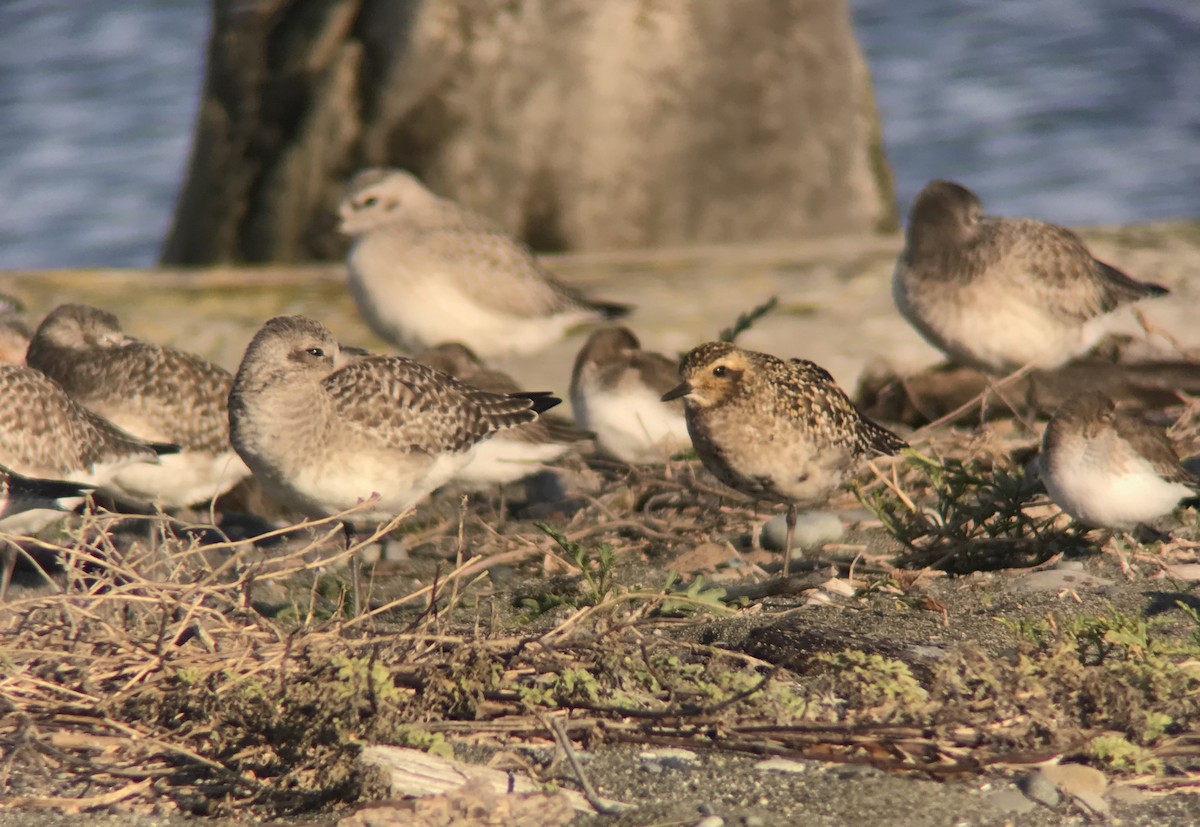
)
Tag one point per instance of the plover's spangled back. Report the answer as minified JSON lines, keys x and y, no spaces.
{"x":44,"y":433}
{"x":156,"y":393}
{"x":999,"y":293}
{"x":514,"y":453}
{"x":424,"y":270}
{"x":322,"y":438}
{"x":1108,"y":469}
{"x":616,"y":391}
{"x":773,"y":429}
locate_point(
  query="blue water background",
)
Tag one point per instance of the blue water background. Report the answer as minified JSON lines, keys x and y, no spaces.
{"x":1079,"y":111}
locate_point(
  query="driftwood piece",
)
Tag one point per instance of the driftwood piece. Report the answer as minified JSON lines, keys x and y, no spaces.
{"x":940,"y":391}
{"x":574,"y":124}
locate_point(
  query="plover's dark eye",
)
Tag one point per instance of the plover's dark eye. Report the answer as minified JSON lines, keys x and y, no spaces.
{"x":315,"y":351}
{"x":369,"y":201}
{"x":719,"y":371}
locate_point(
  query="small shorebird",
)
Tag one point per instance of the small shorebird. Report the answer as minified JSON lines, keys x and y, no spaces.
{"x":511,"y":454}
{"x":157,"y":393}
{"x":45,"y":434}
{"x":323,"y":433}
{"x":1110,"y":470}
{"x":999,"y":293}
{"x":616,"y":391}
{"x":424,"y":270}
{"x":775,"y":430}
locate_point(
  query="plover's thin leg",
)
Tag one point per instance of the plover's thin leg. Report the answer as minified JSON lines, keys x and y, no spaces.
{"x":790,"y":519}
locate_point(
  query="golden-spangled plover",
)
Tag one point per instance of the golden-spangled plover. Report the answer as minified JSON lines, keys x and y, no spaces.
{"x":775,"y":430}
{"x":999,"y":293}
{"x":514,"y":453}
{"x":323,"y":438}
{"x":156,"y":393}
{"x":1108,"y":469}
{"x":425,"y":270}
{"x":616,"y":392}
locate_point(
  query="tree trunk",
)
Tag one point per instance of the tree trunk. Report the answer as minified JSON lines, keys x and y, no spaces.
{"x":577,"y":125}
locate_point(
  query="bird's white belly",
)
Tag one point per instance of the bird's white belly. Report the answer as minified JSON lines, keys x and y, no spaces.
{"x":497,"y":461}
{"x":179,"y":480}
{"x":996,"y":329}
{"x":428,"y":310}
{"x":1108,"y":499}
{"x":631,"y":427}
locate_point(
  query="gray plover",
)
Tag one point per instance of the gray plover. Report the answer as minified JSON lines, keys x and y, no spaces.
{"x":616,"y":392}
{"x":1108,"y":469}
{"x":999,"y":293}
{"x":44,"y":433}
{"x":20,"y":495}
{"x":514,"y":453}
{"x":323,"y":438}
{"x":424,"y":270}
{"x":775,"y":430}
{"x":158,"y":394}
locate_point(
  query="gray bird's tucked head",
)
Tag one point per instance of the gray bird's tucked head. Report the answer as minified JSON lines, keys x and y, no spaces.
{"x":377,"y":197}
{"x":609,"y":345}
{"x":453,"y":358}
{"x":944,"y":214}
{"x":712,"y":374}
{"x":287,"y":349}
{"x":1085,"y":412}
{"x":77,"y":327}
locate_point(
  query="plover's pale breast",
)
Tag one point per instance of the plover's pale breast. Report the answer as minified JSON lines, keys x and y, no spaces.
{"x":1110,"y":470}
{"x":775,"y":430}
{"x":999,"y":293}
{"x":156,"y":393}
{"x":510,"y":454}
{"x":424,"y":270}
{"x":322,"y":438}
{"x":616,"y":392}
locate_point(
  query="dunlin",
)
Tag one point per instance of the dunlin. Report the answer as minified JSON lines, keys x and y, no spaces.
{"x":775,"y":430}
{"x":323,"y":438}
{"x":999,"y":293}
{"x":514,"y":453}
{"x":616,"y":392}
{"x":1108,"y":469}
{"x":424,"y":270}
{"x":156,"y":393}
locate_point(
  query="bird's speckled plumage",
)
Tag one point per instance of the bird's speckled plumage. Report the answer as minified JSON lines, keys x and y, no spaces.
{"x":513,"y":453}
{"x":425,"y":270}
{"x":14,"y":333}
{"x":1109,"y":469}
{"x":616,"y":391}
{"x":156,"y":393}
{"x":775,"y":430}
{"x":322,"y":437}
{"x":998,"y":293}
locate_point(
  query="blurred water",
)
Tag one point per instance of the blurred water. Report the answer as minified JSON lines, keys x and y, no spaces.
{"x":1080,"y":111}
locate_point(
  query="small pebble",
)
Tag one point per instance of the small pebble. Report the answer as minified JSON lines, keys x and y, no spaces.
{"x":781,"y":765}
{"x":711,"y":821}
{"x":670,"y":757}
{"x":851,"y":771}
{"x":1009,"y":801}
{"x":1037,"y":787}
{"x":813,"y":530}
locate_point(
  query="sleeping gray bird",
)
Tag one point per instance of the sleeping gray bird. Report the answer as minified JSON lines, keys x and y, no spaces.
{"x":425,"y":270}
{"x":999,"y":293}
